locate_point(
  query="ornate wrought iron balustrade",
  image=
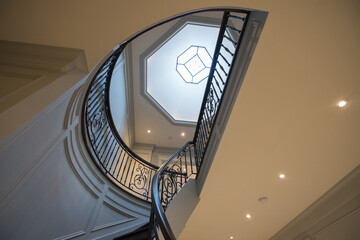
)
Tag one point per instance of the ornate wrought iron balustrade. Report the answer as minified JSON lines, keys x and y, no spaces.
{"x":112,"y":155}
{"x":115,"y":159}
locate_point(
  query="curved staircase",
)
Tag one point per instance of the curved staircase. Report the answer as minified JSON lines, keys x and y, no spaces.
{"x":239,"y":31}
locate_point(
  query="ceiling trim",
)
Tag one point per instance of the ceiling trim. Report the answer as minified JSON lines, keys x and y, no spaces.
{"x":204,"y":21}
{"x":338,"y":204}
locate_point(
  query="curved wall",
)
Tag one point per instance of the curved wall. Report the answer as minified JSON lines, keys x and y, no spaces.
{"x":118,"y":100}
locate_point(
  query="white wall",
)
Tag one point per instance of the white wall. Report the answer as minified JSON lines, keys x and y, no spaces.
{"x":118,"y":100}
{"x":162,"y":155}
{"x":51,"y":189}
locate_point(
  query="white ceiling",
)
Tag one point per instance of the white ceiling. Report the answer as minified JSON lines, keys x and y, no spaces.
{"x":285,"y":118}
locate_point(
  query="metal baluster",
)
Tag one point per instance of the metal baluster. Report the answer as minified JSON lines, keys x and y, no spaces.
{"x":222,"y":56}
{"x":128,"y":168}
{"x":125,"y":166}
{"x":208,"y":114}
{"x":151,"y":174}
{"x":212,"y":85}
{"x":118,"y":159}
{"x":102,"y":141}
{"x":236,"y":17}
{"x":217,"y":84}
{"x":93,"y":109}
{"x":98,"y":138}
{"x":99,"y":81}
{"x":218,"y":74}
{"x":228,"y":50}
{"x":122,"y":161}
{"x":132,"y":172}
{"x":233,"y":29}
{"x":186,"y":172}
{"x":107,"y":144}
{"x":115,"y":157}
{"x":232,"y":41}
{"x":206,"y":132}
{"x":111,"y":151}
{"x":96,"y":92}
{"x":222,"y":68}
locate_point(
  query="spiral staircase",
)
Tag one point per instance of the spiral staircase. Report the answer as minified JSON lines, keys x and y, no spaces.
{"x":239,"y":30}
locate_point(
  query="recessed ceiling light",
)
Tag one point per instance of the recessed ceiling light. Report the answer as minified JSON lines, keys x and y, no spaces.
{"x":248,"y":216}
{"x":282,"y":176}
{"x":183,"y":134}
{"x":149,"y":131}
{"x":342,"y":103}
{"x":231,"y":237}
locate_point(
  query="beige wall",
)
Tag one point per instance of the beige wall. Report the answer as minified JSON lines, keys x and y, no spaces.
{"x":97,"y":26}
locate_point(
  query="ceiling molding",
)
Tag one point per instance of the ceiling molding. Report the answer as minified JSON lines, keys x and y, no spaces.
{"x":42,"y":57}
{"x":204,"y":21}
{"x":338,"y":204}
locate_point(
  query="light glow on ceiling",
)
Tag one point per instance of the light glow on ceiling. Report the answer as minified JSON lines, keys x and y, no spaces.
{"x":342,"y":103}
{"x":282,"y":176}
{"x":149,"y":131}
{"x":248,"y":216}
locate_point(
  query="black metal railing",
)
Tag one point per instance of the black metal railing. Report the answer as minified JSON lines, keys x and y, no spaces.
{"x":227,"y":46}
{"x":124,"y":167}
{"x":113,"y":156}
{"x":170,"y":178}
{"x":168,"y":181}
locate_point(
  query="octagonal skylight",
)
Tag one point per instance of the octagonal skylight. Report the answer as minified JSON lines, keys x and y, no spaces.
{"x":194,"y":64}
{"x":177,"y":68}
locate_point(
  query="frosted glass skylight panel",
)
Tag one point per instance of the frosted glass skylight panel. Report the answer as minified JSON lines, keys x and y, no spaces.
{"x":193,"y":65}
{"x":205,"y":57}
{"x":184,"y":73}
{"x":187,"y":54}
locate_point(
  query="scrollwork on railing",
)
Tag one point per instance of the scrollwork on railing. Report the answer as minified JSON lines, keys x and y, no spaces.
{"x":112,"y":155}
{"x":177,"y":173}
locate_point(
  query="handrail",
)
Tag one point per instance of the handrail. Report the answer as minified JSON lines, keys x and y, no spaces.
{"x":156,"y":203}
